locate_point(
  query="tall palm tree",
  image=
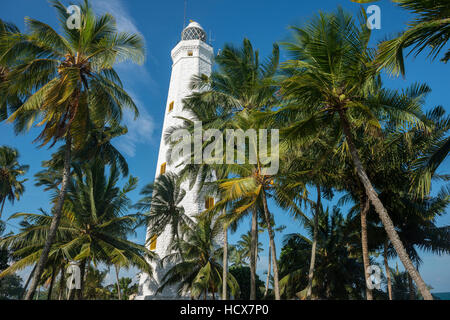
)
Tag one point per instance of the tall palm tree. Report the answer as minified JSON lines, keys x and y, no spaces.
{"x":307,"y":163}
{"x":237,"y":257}
{"x":94,"y":286}
{"x":11,"y":188}
{"x":72,"y":79}
{"x":9,"y":101}
{"x":269,"y":267}
{"x":93,"y":228}
{"x":339,"y":275}
{"x":244,"y":245}
{"x":162,"y":204}
{"x":249,"y":192}
{"x":199,"y":271}
{"x":332,"y":80}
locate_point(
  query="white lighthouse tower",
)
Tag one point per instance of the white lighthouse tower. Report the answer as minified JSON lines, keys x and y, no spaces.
{"x":192,"y":56}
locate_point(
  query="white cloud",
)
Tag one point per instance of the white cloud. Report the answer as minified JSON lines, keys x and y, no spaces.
{"x":125,"y":22}
{"x":140,"y":131}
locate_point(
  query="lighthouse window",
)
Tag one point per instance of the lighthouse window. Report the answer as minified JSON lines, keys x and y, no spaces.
{"x":209,"y":202}
{"x":190,"y":53}
{"x":171,"y":106}
{"x":163,"y":168}
{"x":153,"y":243}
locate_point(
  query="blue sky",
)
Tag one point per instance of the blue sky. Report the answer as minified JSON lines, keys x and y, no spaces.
{"x":226,"y":21}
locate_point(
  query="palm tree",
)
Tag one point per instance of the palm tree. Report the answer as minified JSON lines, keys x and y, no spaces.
{"x":9,"y":102}
{"x":198,"y":271}
{"x":332,"y":81}
{"x":10,"y":170}
{"x":98,"y":145}
{"x":245,"y":246}
{"x":99,"y":207}
{"x":94,"y":284}
{"x":10,"y":188}
{"x":417,"y":228}
{"x":237,"y":257}
{"x":435,"y":146}
{"x":162,"y":201}
{"x":93,"y":227}
{"x":72,"y":79}
{"x":248,"y":189}
{"x":269,"y":267}
{"x":307,"y":163}
{"x":338,"y":275}
{"x":126,"y":288}
{"x":429,"y":30}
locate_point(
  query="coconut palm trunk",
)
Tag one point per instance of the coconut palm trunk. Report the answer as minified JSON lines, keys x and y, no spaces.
{"x":269,"y":268}
{"x":254,"y":244}
{"x":381,"y":211}
{"x":365,"y":205}
{"x":314,"y":245}
{"x":3,"y":204}
{"x":62,"y":284}
{"x":28,"y":282}
{"x":225,"y":262}
{"x":55,"y":221}
{"x":119,"y":296}
{"x":83,"y":274}
{"x":412,"y":295}
{"x":276,"y":286}
{"x":388,"y":270}
{"x":52,"y":281}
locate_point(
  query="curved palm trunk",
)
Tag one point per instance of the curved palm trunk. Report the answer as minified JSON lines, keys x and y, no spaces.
{"x":119,"y":295}
{"x":269,"y":269}
{"x":62,"y":284}
{"x":83,"y":273}
{"x":365,"y":205}
{"x":381,"y":211}
{"x":314,"y":245}
{"x":71,"y":294}
{"x":55,"y":221}
{"x":28,"y":281}
{"x":388,"y":270}
{"x":3,"y":204}
{"x":254,"y":246}
{"x":412,"y":294}
{"x":52,"y":281}
{"x":276,"y":286}
{"x":225,"y":263}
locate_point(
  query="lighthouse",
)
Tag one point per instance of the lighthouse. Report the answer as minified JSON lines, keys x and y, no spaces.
{"x":192,"y":56}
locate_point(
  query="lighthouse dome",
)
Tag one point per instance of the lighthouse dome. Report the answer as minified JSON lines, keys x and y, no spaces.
{"x":193,"y":31}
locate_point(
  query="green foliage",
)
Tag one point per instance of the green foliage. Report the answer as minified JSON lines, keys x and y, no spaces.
{"x":162,"y":209}
{"x":330,"y":104}
{"x":94,"y":226}
{"x":242,"y":276}
{"x":10,"y":287}
{"x":337,"y":274}
{"x":195,"y":262}
{"x":429,"y":31}
{"x":11,"y":188}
